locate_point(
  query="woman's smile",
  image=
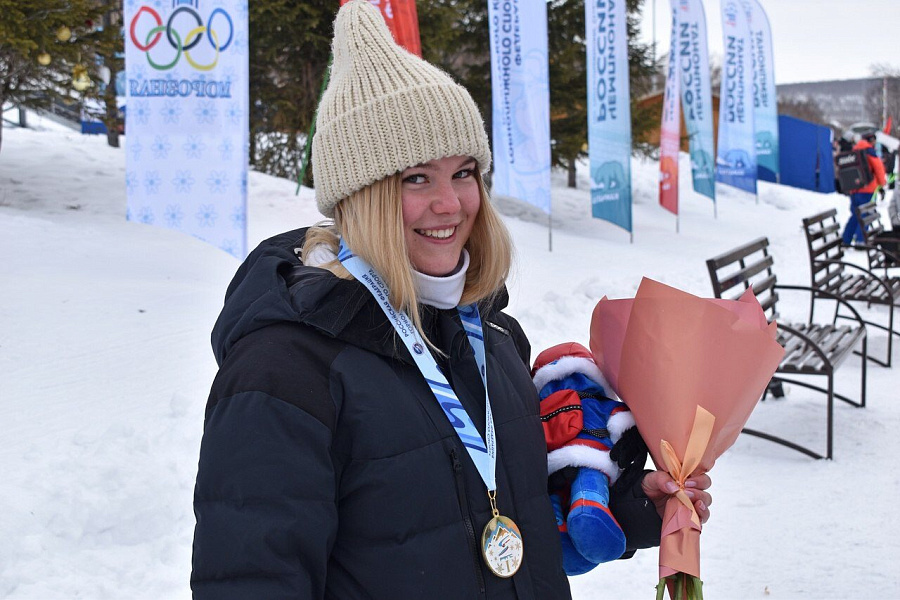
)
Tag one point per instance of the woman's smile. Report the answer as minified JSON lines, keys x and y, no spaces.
{"x":437,"y":234}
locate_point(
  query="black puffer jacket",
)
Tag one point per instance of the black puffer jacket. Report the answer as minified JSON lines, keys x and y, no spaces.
{"x":327,"y":469}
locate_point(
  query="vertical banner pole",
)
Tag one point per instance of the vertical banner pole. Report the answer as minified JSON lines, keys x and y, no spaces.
{"x":550,"y":232}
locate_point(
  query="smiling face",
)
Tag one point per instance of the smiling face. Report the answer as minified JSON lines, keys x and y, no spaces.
{"x":441,"y":199}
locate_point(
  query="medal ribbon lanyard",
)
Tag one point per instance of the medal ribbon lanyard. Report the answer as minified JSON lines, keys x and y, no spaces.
{"x":482,"y":452}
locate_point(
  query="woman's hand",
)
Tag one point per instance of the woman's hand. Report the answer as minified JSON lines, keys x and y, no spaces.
{"x":659,"y":486}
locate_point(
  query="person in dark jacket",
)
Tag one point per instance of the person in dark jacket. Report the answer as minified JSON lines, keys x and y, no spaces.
{"x":373,"y":430}
{"x":853,"y":230}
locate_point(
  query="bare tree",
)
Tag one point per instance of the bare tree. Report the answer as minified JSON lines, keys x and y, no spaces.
{"x":802,"y":108}
{"x":883,"y":101}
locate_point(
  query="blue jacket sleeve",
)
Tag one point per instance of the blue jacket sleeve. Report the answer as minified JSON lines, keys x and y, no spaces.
{"x":264,"y":501}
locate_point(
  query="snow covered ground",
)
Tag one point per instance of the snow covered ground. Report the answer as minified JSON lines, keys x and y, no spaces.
{"x":105,"y":366}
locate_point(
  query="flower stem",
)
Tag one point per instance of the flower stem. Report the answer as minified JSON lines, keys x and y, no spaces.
{"x":661,"y":589}
{"x":681,"y":586}
{"x":696,"y":588}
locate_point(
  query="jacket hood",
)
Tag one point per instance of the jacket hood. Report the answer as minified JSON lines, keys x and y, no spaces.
{"x":266,"y":289}
{"x":273,"y":286}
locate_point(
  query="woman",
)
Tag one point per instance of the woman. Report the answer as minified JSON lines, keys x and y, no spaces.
{"x":339,"y":459}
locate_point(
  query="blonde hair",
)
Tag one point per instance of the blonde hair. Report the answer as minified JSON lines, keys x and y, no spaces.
{"x":371,"y":223}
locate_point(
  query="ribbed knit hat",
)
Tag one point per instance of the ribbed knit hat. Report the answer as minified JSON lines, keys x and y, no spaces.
{"x":385,"y":110}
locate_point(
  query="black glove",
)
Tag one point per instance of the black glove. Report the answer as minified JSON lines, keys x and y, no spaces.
{"x":630,"y":450}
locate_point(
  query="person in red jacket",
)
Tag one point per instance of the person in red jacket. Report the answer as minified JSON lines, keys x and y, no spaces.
{"x":853,"y":230}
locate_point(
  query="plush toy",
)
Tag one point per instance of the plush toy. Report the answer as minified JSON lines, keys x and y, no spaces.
{"x":581,"y":424}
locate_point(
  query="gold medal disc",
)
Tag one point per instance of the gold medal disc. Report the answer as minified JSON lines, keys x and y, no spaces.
{"x":501,"y":546}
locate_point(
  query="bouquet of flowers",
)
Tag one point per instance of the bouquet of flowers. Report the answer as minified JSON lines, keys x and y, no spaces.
{"x":691,"y":370}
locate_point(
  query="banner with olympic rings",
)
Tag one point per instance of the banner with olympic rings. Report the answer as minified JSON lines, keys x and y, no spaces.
{"x":187,"y":117}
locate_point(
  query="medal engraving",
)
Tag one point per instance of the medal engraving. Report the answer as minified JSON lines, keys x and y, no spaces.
{"x":501,"y":546}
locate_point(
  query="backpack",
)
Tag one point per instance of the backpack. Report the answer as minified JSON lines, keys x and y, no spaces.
{"x":852,"y":170}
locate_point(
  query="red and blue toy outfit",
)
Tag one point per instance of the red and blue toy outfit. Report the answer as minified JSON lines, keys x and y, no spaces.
{"x":582,"y":421}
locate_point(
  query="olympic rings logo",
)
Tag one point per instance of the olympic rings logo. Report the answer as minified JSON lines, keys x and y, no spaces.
{"x":181,"y":46}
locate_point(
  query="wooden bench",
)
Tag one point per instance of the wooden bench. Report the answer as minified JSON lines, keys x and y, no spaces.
{"x":830,"y":273}
{"x":882,"y":247}
{"x":810,"y":348}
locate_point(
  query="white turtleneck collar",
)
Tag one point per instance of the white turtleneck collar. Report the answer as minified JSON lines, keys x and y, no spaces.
{"x":439,"y":292}
{"x":443,"y":292}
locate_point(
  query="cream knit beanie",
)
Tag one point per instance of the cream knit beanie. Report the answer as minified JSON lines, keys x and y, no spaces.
{"x":385,"y":110}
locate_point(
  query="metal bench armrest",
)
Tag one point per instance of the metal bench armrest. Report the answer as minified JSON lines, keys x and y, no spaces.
{"x":884,"y":252}
{"x":878,"y":279}
{"x":815,"y":347}
{"x":835,"y":297}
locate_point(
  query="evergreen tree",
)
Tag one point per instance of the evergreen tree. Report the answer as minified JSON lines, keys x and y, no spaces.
{"x":883,"y":96}
{"x":43,"y":43}
{"x":641,"y":70}
{"x":289,"y":50}
{"x":455,"y":37}
{"x":568,"y":83}
{"x":109,"y":48}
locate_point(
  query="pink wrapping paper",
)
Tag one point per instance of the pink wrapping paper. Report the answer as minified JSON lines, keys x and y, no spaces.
{"x":666,"y":353}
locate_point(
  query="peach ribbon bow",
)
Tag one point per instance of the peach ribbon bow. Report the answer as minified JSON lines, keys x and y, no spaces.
{"x":696,"y":447}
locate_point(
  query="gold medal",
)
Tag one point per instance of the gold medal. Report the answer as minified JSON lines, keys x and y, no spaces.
{"x":501,"y":543}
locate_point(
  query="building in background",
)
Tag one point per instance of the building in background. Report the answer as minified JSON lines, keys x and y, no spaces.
{"x":847,"y":101}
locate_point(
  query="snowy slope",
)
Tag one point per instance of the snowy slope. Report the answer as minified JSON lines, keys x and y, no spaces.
{"x":105,"y":366}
